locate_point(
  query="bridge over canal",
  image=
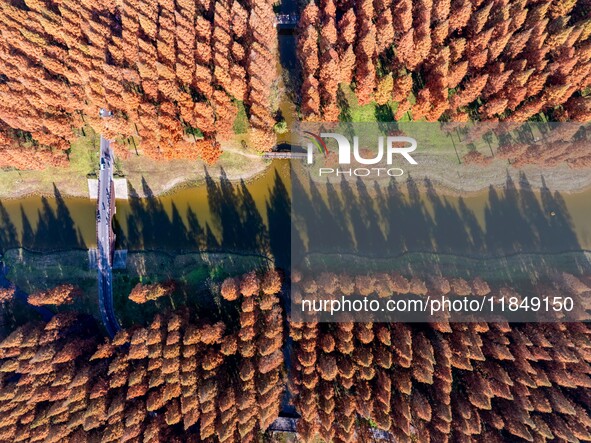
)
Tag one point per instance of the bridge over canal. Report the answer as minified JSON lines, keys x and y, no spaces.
{"x":106,"y":237}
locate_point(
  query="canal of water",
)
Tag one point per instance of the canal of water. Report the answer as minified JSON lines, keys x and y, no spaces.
{"x":235,"y":215}
{"x":59,"y":222}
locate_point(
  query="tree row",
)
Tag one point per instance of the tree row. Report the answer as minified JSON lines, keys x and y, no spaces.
{"x":167,"y":70}
{"x":447,"y":60}
{"x":180,"y":378}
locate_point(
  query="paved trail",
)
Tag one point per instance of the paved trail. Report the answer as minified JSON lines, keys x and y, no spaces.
{"x":106,"y":238}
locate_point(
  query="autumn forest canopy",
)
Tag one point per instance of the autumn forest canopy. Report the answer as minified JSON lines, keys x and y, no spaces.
{"x":177,"y":74}
{"x":167,"y":70}
{"x":200,"y":344}
{"x":448,"y":60}
{"x":179,"y":377}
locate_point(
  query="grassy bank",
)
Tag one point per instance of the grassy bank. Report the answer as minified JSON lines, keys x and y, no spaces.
{"x":197,"y":275}
{"x":440,"y":158}
{"x":162,"y":176}
{"x":33,"y":272}
{"x":508,"y":270}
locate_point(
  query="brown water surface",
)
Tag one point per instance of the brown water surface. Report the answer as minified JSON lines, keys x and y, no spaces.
{"x":233,"y":212}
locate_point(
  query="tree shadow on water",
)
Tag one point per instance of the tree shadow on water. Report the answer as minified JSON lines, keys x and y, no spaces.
{"x":53,"y":230}
{"x":402,"y":217}
{"x":8,"y":233}
{"x":230,"y":221}
{"x":281,"y":236}
{"x":235,"y":216}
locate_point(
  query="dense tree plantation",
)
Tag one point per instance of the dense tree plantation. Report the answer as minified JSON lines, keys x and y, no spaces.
{"x":448,"y":60}
{"x":489,"y":382}
{"x":555,"y":143}
{"x":164,"y":68}
{"x":171,"y":71}
{"x":180,"y":378}
{"x":177,"y":74}
{"x":177,"y":379}
{"x":443,"y":382}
